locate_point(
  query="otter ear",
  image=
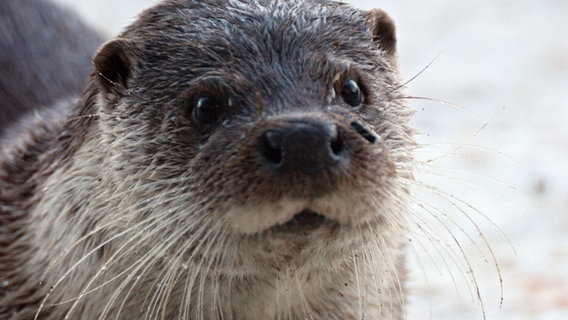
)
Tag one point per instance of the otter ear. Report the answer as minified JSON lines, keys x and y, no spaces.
{"x":383,"y":31}
{"x":114,"y":64}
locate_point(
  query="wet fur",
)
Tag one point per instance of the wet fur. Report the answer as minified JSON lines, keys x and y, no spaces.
{"x":121,"y":207}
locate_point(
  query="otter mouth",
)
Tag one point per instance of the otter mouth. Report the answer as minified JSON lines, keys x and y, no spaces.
{"x":303,"y":222}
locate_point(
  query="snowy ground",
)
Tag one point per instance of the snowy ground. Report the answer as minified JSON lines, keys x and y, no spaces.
{"x":503,"y":67}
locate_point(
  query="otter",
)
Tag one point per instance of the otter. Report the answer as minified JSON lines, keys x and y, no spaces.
{"x":45,"y":54}
{"x":227,"y":159}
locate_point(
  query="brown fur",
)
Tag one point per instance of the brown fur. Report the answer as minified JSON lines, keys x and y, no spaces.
{"x":283,"y":197}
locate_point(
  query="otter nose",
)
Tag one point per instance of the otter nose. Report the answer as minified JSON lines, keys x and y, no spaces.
{"x":303,"y":145}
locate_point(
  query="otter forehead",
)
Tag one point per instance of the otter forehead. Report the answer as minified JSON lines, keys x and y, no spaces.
{"x":265,"y":45}
{"x":212,"y":21}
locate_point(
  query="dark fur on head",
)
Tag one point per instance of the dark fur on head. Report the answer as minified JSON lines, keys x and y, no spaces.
{"x":229,"y":159}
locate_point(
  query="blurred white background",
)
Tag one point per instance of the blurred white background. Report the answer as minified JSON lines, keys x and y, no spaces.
{"x":504,"y":64}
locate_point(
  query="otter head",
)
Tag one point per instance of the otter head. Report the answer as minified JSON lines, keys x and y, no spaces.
{"x":258,"y":137}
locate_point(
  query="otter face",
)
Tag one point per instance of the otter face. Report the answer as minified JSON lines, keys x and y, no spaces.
{"x":287,"y":123}
{"x":271,"y":132}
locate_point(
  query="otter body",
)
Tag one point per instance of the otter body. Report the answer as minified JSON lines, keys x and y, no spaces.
{"x":45,"y":54}
{"x":226,"y":160}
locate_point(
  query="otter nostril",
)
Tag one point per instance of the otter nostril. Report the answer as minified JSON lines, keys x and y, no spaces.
{"x":368,"y":135}
{"x":337,"y":142}
{"x":272,"y":146}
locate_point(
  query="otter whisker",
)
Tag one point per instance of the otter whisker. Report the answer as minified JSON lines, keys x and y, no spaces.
{"x":201,"y":234}
{"x":431,"y":147}
{"x":428,"y":65}
{"x":80,"y":261}
{"x":442,"y":247}
{"x":104,"y":268}
{"x":460,"y":204}
{"x":307,"y":311}
{"x":155,"y":255}
{"x":219,"y":253}
{"x":423,"y":271}
{"x":219,"y":258}
{"x":359,"y":292}
{"x":116,"y":254}
{"x":469,"y":272}
{"x":445,"y":103}
{"x":388,"y":259}
{"x":201,"y":289}
{"x":137,"y":273}
{"x":189,"y":266}
{"x":204,"y":241}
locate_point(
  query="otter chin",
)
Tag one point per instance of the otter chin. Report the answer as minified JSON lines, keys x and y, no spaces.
{"x":226,"y":160}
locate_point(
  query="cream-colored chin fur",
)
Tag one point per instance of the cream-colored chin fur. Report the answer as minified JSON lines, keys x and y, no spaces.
{"x":250,"y":219}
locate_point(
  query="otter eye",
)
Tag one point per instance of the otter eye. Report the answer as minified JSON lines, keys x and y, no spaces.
{"x":351,"y":93}
{"x":207,"y":110}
